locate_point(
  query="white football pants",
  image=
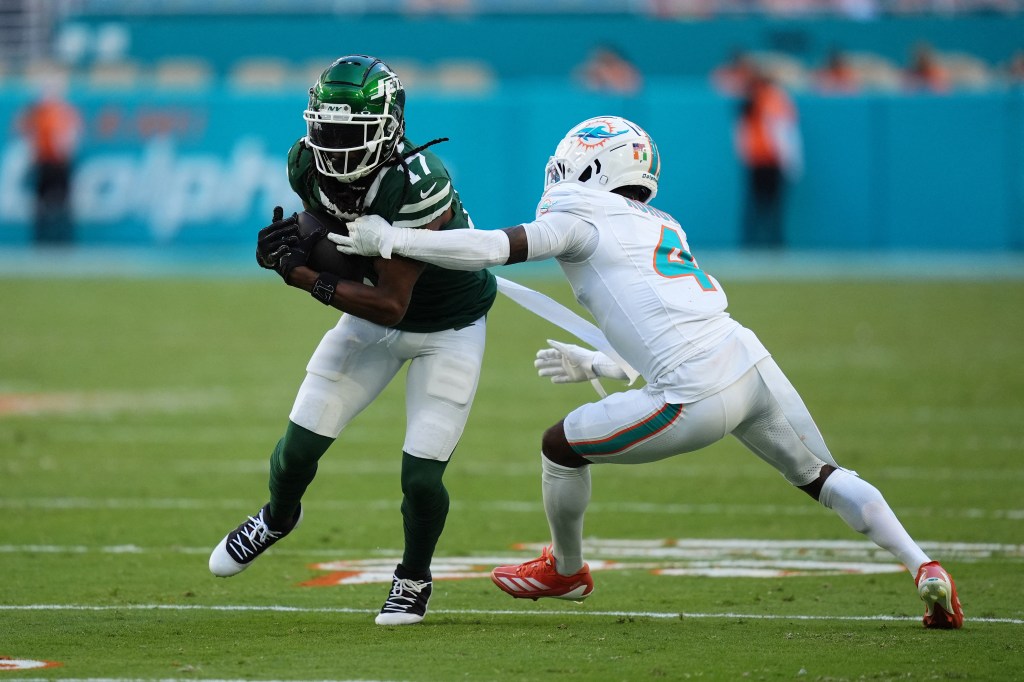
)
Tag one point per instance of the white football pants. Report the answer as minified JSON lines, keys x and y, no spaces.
{"x":761,"y":409}
{"x":357,"y":359}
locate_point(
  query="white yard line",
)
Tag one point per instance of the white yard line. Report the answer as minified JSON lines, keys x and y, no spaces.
{"x":147,"y":679}
{"x":673,"y":548}
{"x":109,"y":402}
{"x":662,"y":615}
{"x":386,"y":466}
{"x":505,"y":506}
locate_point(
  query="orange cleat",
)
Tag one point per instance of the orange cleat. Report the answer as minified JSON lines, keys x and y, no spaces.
{"x":538,"y":578}
{"x":938,"y":592}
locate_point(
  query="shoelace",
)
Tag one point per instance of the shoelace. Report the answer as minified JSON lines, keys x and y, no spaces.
{"x":540,"y":564}
{"x":404,"y":590}
{"x":258,"y":534}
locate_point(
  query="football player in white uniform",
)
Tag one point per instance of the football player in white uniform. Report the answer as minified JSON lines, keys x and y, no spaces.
{"x":706,"y":375}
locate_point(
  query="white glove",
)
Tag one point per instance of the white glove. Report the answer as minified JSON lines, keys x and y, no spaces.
{"x":368,"y":235}
{"x":565,"y":363}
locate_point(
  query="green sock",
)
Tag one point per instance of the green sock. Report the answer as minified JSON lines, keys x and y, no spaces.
{"x":292,"y":468}
{"x":424,"y":509}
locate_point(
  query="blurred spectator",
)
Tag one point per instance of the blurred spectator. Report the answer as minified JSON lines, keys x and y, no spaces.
{"x":416,"y":7}
{"x":837,"y":75}
{"x":733,"y":77}
{"x":1015,"y":69}
{"x":925,"y":71}
{"x":769,"y":146}
{"x":53,"y":127}
{"x":861,"y":10}
{"x":607,"y":69}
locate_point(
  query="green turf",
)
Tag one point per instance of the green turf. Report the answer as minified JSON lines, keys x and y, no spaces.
{"x":137,"y":416}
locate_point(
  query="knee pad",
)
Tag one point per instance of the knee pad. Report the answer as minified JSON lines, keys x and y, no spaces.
{"x":453,"y":380}
{"x":318,"y":407}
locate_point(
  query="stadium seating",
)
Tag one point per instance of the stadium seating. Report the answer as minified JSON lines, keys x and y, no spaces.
{"x":262,"y":74}
{"x":117,"y":75}
{"x":182,"y":72}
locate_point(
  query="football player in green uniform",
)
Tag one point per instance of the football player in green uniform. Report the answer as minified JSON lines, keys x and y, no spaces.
{"x":353,"y":161}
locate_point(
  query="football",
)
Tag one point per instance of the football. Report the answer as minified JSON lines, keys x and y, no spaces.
{"x":324,"y":256}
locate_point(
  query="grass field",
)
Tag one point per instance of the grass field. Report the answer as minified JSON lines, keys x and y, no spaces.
{"x":137,"y":415}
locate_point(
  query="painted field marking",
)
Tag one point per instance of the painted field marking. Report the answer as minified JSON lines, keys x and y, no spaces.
{"x":107,"y":402}
{"x":669,"y":549}
{"x":146,"y":679}
{"x":368,"y":571}
{"x":142,"y":434}
{"x":504,"y":506}
{"x":661,"y":615}
{"x":673,"y":557}
{"x":24,"y":664}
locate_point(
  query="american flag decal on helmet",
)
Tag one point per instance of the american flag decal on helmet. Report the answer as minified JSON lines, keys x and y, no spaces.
{"x":639,"y":151}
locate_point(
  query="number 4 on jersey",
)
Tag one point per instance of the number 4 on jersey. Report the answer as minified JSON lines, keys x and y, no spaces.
{"x":671,"y":259}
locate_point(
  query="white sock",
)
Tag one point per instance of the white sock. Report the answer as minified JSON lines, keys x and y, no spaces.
{"x":864,"y":509}
{"x":566,"y":495}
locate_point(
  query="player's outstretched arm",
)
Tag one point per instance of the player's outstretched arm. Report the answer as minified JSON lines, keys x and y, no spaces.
{"x":371,"y":235}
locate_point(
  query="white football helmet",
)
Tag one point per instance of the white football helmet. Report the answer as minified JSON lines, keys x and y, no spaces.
{"x":606,"y":152}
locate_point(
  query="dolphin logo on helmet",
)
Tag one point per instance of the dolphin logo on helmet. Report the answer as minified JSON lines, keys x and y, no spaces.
{"x":600,"y":133}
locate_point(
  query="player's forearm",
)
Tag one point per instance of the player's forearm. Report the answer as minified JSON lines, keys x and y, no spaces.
{"x":374,"y":304}
{"x":454,"y":249}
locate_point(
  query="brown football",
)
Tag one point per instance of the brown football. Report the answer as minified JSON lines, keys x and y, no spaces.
{"x":324,"y":256}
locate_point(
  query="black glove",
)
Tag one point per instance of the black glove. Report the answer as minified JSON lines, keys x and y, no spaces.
{"x":275,"y":239}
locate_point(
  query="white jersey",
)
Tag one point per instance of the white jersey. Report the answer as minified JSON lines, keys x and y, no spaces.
{"x":629,"y":264}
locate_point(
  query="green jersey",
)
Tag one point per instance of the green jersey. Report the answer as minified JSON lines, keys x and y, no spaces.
{"x":442,"y":299}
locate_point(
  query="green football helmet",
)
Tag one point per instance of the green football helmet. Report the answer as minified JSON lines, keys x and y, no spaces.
{"x":355,"y":118}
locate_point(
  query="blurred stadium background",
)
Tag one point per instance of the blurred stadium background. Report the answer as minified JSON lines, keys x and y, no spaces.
{"x":190,"y":105}
{"x":136,"y":417}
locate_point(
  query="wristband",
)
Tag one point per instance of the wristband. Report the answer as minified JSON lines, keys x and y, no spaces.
{"x":323,"y":288}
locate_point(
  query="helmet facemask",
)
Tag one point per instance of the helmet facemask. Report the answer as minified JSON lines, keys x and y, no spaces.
{"x":557,"y":170}
{"x":560,"y":168}
{"x":348,"y":146}
{"x":355,"y":117}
